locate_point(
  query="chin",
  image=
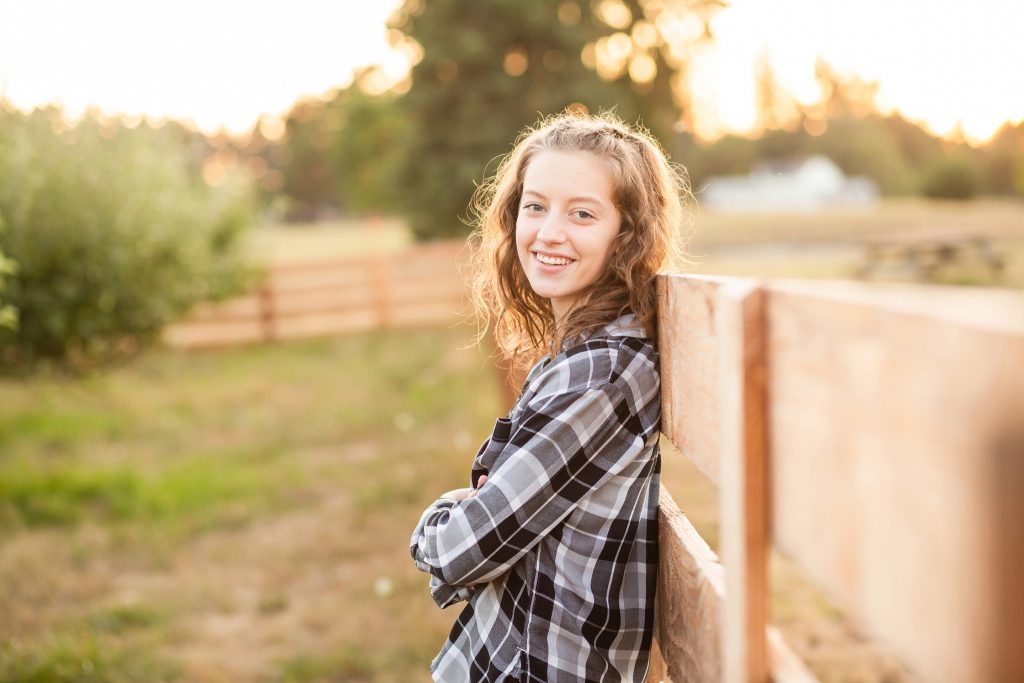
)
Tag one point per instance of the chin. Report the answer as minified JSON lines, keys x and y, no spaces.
{"x":544,"y":293}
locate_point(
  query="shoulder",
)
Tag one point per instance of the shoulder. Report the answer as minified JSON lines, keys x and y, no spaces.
{"x":612,"y":359}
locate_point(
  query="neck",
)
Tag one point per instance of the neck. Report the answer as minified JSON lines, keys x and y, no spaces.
{"x":560,"y":311}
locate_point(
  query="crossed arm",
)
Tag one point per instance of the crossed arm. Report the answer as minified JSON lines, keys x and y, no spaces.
{"x":565,"y":446}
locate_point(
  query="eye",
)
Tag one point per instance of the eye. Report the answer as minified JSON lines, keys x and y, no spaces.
{"x":583,"y":214}
{"x":532,"y":207}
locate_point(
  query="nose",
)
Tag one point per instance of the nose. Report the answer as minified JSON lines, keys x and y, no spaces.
{"x":551,"y":230}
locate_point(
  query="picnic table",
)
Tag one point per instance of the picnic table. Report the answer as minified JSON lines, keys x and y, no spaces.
{"x":924,"y":253}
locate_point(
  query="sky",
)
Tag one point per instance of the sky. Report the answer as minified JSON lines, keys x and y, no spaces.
{"x":936,"y":61}
{"x":224,"y":63}
{"x":214,"y":62}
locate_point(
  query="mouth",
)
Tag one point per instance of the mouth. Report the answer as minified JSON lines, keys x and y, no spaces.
{"x":552,"y":260}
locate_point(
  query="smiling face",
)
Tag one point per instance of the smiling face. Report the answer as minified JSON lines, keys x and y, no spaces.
{"x":566,"y":224}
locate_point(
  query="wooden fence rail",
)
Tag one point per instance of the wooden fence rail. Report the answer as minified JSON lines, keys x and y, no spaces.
{"x":875,"y":434}
{"x":415,"y":287}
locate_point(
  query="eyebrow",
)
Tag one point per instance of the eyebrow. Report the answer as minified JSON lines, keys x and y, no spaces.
{"x":580,"y":198}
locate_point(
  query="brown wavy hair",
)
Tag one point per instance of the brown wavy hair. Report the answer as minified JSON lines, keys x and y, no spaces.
{"x":652,"y":196}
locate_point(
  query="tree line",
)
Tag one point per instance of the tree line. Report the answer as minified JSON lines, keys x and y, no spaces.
{"x":486,"y":70}
{"x":108,"y":230}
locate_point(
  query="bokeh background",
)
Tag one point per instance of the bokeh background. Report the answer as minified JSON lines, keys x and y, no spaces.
{"x":236,"y":364}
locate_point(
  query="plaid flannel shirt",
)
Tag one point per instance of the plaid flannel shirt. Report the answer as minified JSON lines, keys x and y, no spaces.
{"x":557,"y":553}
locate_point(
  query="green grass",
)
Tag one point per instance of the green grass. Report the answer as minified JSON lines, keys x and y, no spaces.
{"x":194,"y":489}
{"x":177,"y":435}
{"x":176,"y":466}
{"x":83,"y":657}
{"x":354,"y":664}
{"x":123,"y":619}
{"x":55,"y":429}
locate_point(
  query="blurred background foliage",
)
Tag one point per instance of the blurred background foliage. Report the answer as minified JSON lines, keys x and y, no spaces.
{"x":113,"y":234}
{"x":485,"y":71}
{"x":490,"y":69}
{"x":110,"y":230}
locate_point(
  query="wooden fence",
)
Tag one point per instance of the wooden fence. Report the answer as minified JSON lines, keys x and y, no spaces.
{"x":415,"y":287}
{"x":875,"y":435}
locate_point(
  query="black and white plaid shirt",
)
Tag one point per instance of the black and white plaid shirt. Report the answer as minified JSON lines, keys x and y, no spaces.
{"x":557,"y":553}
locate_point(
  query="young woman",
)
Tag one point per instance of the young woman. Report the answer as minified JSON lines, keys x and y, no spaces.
{"x":555,"y":549}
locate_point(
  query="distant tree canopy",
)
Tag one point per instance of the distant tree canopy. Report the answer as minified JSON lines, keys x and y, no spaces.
{"x":846,"y":126}
{"x":8,"y":313}
{"x":485,"y":70}
{"x":491,"y":68}
{"x":344,"y":152}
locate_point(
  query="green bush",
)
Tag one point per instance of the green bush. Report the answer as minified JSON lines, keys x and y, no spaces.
{"x":8,"y":314}
{"x":114,"y":235}
{"x":952,"y":177}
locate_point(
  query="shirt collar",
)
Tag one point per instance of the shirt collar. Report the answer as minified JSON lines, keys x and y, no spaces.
{"x":623,"y":326}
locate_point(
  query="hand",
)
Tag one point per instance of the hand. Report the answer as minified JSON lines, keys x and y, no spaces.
{"x":456,"y":495}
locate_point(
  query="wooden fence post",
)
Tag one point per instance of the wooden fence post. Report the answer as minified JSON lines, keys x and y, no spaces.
{"x":743,"y":504}
{"x":268,"y":323}
{"x":381,"y":285}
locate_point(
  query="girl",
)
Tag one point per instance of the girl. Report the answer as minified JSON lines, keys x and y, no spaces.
{"x":555,"y":549}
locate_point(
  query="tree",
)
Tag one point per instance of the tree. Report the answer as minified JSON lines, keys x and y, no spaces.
{"x":309,"y":180}
{"x":776,"y":107}
{"x":492,"y":67}
{"x":1004,"y":160}
{"x":342,"y":153}
{"x":952,"y":177}
{"x":8,"y":313}
{"x":367,"y":151}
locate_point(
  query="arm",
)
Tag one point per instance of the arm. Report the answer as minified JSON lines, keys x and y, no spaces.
{"x":566,"y":445}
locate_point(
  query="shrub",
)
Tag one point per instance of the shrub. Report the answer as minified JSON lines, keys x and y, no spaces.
{"x":8,"y":314}
{"x":114,"y":235}
{"x":952,"y":177}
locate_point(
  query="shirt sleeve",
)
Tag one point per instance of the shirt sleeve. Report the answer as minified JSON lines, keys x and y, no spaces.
{"x":565,"y":445}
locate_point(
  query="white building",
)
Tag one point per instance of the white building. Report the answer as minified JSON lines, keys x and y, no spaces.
{"x":805,"y":185}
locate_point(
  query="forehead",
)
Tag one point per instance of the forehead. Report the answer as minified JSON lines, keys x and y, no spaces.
{"x":568,"y":174}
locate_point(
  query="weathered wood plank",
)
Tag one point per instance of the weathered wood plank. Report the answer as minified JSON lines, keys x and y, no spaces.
{"x":657,"y":672}
{"x":785,"y":666}
{"x":689,"y":366}
{"x":896,"y":465}
{"x":691,"y":588}
{"x":742,"y":486}
{"x":691,"y":593}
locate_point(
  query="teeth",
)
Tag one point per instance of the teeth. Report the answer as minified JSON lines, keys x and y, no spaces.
{"x":553,"y":261}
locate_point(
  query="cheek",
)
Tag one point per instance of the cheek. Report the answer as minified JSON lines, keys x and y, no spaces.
{"x":523,"y":235}
{"x":605,"y":247}
{"x":603,"y":244}
{"x":522,"y":242}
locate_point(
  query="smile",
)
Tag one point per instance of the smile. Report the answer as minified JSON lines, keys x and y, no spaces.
{"x":552,"y":260}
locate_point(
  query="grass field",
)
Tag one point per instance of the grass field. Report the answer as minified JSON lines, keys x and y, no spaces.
{"x":243,"y":515}
{"x":234,"y":516}
{"x":303,"y":242}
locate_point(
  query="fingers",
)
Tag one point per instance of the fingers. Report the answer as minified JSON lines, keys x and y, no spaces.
{"x":479,"y":483}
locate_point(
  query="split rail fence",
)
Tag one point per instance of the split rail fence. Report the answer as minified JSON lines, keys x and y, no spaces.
{"x":420,"y":286}
{"x":873,"y":433}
